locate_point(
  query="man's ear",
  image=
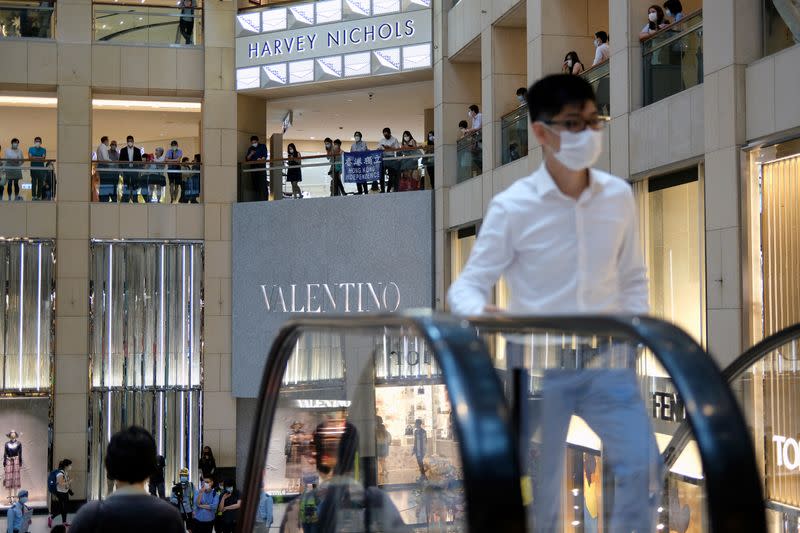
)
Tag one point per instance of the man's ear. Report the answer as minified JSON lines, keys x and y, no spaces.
{"x":539,"y":132}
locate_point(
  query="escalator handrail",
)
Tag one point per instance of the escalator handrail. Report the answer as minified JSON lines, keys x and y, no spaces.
{"x":489,"y":451}
{"x":760,"y":350}
{"x":733,"y":486}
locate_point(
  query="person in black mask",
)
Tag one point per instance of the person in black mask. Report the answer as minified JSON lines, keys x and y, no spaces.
{"x":429,"y":148}
{"x":207,"y":464}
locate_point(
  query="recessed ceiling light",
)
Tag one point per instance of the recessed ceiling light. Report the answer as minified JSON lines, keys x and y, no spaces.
{"x":312,"y":138}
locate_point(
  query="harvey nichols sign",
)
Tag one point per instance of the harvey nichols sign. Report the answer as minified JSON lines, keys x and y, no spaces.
{"x":331,"y":39}
{"x":347,"y":255}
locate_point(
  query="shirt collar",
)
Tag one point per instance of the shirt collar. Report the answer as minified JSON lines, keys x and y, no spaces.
{"x":545,"y":184}
{"x":129,"y":490}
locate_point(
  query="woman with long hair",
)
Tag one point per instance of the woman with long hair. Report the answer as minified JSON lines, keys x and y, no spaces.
{"x":294,"y":174}
{"x":207,"y":464}
{"x":572,"y":64}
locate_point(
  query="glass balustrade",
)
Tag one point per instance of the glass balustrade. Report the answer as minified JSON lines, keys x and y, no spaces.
{"x":146,"y":182}
{"x":514,"y":134}
{"x":673,"y":59}
{"x":27,"y":19}
{"x":135,"y":23}
{"x":25,"y":179}
{"x":469,"y":151}
{"x":317,"y":176}
{"x":599,"y":76}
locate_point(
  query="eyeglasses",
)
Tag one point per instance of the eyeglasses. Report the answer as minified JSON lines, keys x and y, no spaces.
{"x":577,"y":125}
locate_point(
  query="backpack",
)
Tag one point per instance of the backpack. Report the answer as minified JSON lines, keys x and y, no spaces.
{"x":308,"y":508}
{"x":52,"y":481}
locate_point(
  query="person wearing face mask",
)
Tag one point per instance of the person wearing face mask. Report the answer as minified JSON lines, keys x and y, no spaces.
{"x":109,"y":179}
{"x":428,"y":161}
{"x":294,"y":173}
{"x":13,"y":162}
{"x":174,"y":155}
{"x":521,"y":94}
{"x":182,"y":496}
{"x":207,"y":463}
{"x":258,"y":152}
{"x":60,"y":498}
{"x":206,"y":503}
{"x":602,"y":51}
{"x":37,"y":154}
{"x":19,"y":515}
{"x":572,"y":64}
{"x":229,"y":505}
{"x":337,"y":187}
{"x":409,"y":179}
{"x":132,"y":179}
{"x":388,"y":144}
{"x":673,"y":9}
{"x":359,"y":146}
{"x":476,"y":117}
{"x":655,"y":22}
{"x":566,"y":241}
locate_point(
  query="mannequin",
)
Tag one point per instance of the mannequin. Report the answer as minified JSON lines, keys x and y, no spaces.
{"x":12,"y":464}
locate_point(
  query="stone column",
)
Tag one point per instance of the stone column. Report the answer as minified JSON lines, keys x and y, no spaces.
{"x":219,"y":135}
{"x":74,"y":34}
{"x":726,"y":55}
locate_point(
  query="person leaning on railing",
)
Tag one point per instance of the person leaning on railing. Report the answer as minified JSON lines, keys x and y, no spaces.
{"x":13,"y":157}
{"x":360,"y":146}
{"x":38,"y":154}
{"x":294,"y":174}
{"x":186,"y":22}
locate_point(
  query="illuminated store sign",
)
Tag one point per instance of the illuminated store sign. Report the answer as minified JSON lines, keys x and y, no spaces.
{"x":787,"y":452}
{"x":332,"y":39}
{"x":332,"y":297}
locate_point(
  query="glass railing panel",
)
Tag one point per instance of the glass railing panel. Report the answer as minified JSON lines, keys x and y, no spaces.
{"x":135,"y":23}
{"x":469,"y":152}
{"x":27,"y":19}
{"x":766,"y":382}
{"x":23,"y":179}
{"x":350,"y":173}
{"x":599,"y":77}
{"x":514,"y":134}
{"x":362,"y":437}
{"x":146,"y":182}
{"x":781,"y":24}
{"x":603,"y":427}
{"x":673,"y":59}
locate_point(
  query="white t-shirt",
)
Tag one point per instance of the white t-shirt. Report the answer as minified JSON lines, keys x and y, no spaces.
{"x":601,"y":54}
{"x":477,"y":122}
{"x":391,"y":142}
{"x":102,"y":153}
{"x":61,"y":478}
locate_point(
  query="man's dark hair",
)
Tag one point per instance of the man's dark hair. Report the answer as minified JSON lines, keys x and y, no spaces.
{"x":129,"y":138}
{"x":37,"y":139}
{"x":603,"y":36}
{"x":463,"y":124}
{"x":327,"y":140}
{"x":522,"y":91}
{"x":64,"y":463}
{"x":358,"y":133}
{"x":474,"y":108}
{"x":254,"y":138}
{"x":674,"y":6}
{"x":337,"y":142}
{"x":548,"y":96}
{"x":131,"y":455}
{"x":104,"y":138}
{"x":15,"y":140}
{"x":387,"y":130}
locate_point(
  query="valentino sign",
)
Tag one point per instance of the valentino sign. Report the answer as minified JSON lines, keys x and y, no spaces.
{"x":331,"y":39}
{"x":348,"y":297}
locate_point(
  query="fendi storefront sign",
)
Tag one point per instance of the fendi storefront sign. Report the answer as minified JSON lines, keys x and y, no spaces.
{"x":351,"y":255}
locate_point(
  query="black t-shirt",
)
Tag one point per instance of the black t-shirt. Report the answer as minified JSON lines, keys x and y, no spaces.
{"x":129,"y":513}
{"x":231,"y":516}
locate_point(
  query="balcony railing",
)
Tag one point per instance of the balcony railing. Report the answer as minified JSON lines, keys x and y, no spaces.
{"x":408,"y":170}
{"x":673,"y":59}
{"x":135,"y":23}
{"x":514,"y":134}
{"x":599,"y":76}
{"x":27,"y":19}
{"x":23,"y":179}
{"x":146,"y":182}
{"x":469,"y":151}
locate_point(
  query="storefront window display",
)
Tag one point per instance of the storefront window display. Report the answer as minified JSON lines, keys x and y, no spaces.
{"x":386,"y":402}
{"x":27,"y":281}
{"x":146,"y":306}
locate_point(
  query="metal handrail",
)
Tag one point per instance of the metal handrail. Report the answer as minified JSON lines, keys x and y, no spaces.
{"x":760,"y":350}
{"x":264,"y":165}
{"x":488,"y":450}
{"x":733,"y":486}
{"x":600,"y":70}
{"x":516,"y":114}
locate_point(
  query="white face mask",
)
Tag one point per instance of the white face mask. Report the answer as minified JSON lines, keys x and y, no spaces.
{"x":521,"y":98}
{"x":652,"y":16}
{"x":580,"y":150}
{"x":254,"y":145}
{"x":462,"y":130}
{"x":328,"y":146}
{"x":430,"y":138}
{"x":406,"y":138}
{"x":668,"y":13}
{"x":37,"y":144}
{"x":596,"y":43}
{"x":569,"y":62}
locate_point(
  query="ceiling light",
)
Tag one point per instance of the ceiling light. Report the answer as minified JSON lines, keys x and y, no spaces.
{"x":147,"y":105}
{"x":43,"y":101}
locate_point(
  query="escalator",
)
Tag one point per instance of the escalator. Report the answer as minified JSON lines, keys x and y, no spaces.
{"x":766,"y":381}
{"x":425,"y":423}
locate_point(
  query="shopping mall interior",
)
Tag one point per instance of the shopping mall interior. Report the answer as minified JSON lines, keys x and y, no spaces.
{"x":185,"y":247}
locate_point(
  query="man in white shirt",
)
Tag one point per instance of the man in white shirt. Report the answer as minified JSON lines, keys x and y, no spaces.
{"x":108,"y":178}
{"x":387,"y":143}
{"x":602,"y":50}
{"x":566,"y":241}
{"x":476,"y":117}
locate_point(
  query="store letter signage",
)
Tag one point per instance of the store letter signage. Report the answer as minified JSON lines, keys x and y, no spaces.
{"x":668,"y":406}
{"x":787,"y":452}
{"x":355,"y":297}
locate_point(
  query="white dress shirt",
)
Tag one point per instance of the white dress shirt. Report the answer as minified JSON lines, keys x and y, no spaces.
{"x":558,"y":255}
{"x":102,"y":153}
{"x":602,"y":53}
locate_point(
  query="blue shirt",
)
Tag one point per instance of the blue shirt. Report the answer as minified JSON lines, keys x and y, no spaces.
{"x":37,"y":152}
{"x":206,"y":498}
{"x":18,"y":518}
{"x":264,"y":515}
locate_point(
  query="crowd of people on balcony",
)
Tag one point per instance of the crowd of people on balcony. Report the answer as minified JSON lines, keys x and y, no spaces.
{"x":659,"y":18}
{"x":14,"y":162}
{"x":25,"y":21}
{"x":129,"y":174}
